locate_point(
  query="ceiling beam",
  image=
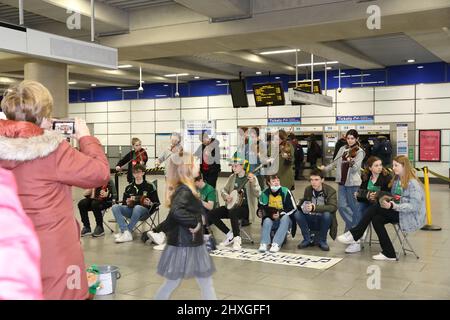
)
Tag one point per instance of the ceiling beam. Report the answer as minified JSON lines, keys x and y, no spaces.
{"x":219,"y":9}
{"x":436,"y":41}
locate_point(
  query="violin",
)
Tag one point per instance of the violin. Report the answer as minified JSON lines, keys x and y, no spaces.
{"x":352,"y":151}
{"x":140,"y":157}
{"x":96,"y":193}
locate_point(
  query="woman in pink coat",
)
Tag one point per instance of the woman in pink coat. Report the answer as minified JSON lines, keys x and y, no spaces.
{"x":20,"y":276}
{"x":46,"y":167}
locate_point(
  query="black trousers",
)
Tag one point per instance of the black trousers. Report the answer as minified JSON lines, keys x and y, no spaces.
{"x":215,"y":217}
{"x":88,"y":204}
{"x":210,"y":178}
{"x":379,"y":218}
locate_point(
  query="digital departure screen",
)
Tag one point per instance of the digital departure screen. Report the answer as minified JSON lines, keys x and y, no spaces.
{"x":269,"y":94}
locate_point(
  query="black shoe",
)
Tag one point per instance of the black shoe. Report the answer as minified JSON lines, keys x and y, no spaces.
{"x":98,"y":232}
{"x":144,"y":237}
{"x":86,"y":232}
{"x":245,"y":223}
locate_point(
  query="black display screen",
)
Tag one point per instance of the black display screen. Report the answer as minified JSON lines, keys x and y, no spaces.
{"x":269,"y":94}
{"x":238,"y":93}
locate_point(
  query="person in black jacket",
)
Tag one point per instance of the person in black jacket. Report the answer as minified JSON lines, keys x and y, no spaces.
{"x":375,"y":178}
{"x":96,"y":200}
{"x":209,"y":155}
{"x":140,"y":198}
{"x":299,"y":157}
{"x":339,"y":144}
{"x":185,"y":255}
{"x":314,"y":152}
{"x":136,"y":156}
{"x":383,"y":150}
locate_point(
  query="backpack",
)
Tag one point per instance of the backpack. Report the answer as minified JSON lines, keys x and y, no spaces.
{"x":386,"y":148}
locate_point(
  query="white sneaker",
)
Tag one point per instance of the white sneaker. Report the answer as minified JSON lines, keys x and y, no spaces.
{"x":160,"y":247}
{"x":382,"y":257}
{"x":262,"y":247}
{"x":157,"y":237}
{"x":274,"y":248}
{"x":228,"y":240}
{"x":353,"y":248}
{"x":237,"y":243}
{"x":346,"y":238}
{"x":117,"y":235}
{"x":126,"y":237}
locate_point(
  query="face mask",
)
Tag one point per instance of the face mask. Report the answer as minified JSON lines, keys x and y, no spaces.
{"x":275,"y":188}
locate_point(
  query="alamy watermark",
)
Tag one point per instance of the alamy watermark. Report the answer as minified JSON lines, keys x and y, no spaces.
{"x":73,"y":22}
{"x":374,"y":19}
{"x":374,"y":277}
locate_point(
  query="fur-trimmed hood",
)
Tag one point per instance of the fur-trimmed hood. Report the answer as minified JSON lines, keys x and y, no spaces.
{"x":22,"y":141}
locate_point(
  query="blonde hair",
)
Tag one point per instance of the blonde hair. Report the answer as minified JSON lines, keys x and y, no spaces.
{"x":180,"y":167}
{"x":134,"y":140}
{"x":409,"y":172}
{"x":27,"y":101}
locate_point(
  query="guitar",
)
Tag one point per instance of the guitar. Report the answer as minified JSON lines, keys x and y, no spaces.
{"x":237,"y":195}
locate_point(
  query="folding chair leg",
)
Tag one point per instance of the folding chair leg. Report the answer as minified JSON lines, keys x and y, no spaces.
{"x":411,"y":249}
{"x":107,"y":225}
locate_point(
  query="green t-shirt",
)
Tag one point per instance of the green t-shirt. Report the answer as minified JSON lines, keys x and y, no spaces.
{"x":208,"y":193}
{"x":238,"y":183}
{"x":372,"y":187}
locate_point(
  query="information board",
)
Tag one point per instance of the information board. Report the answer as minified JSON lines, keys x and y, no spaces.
{"x":269,"y":94}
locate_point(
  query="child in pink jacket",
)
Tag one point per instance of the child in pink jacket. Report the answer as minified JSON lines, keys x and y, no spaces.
{"x":20,"y":276}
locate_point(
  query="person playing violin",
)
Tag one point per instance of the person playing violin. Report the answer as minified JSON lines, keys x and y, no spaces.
{"x":96,"y":200}
{"x":136,"y":156}
{"x":175,"y":147}
{"x":348,"y":164}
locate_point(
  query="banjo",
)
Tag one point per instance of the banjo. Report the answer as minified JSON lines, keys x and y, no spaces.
{"x":237,"y":195}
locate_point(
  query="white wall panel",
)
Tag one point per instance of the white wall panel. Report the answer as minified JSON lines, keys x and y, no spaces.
{"x":151,"y":155}
{"x":223,"y":101}
{"x":194,"y":103}
{"x":147,"y":139}
{"x":142,"y":127}
{"x":394,"y":119}
{"x":226,"y":125}
{"x":119,"y":139}
{"x":355,"y":94}
{"x":318,"y":111}
{"x":96,"y":117}
{"x":433,"y":105}
{"x":284,"y":112}
{"x":433,"y":121}
{"x":194,"y":114}
{"x":319,"y":120}
{"x":255,"y":112}
{"x":100,"y":128}
{"x":77,"y":108}
{"x":440,"y":90}
{"x":171,"y":103}
{"x":394,"y":93}
{"x":103,"y":138}
{"x":355,"y":109}
{"x":122,"y":105}
{"x":118,"y":116}
{"x":167,"y":115}
{"x":167,"y":126}
{"x":222,"y":113}
{"x":143,"y":105}
{"x":251,"y":100}
{"x":142,"y":116}
{"x":394,"y":107}
{"x":119,"y":128}
{"x":77,"y":115}
{"x":252,"y":122}
{"x":96,"y":107}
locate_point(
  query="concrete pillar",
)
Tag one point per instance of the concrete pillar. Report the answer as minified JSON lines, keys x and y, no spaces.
{"x":54,"y":76}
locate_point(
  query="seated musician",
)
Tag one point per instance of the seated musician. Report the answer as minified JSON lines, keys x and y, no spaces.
{"x":140,"y":198}
{"x":250,"y":194}
{"x":96,"y":200}
{"x":406,"y":206}
{"x":375,"y":179}
{"x":276,"y":208}
{"x":317,"y":211}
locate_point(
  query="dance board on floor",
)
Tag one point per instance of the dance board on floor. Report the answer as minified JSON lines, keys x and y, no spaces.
{"x":287,"y":259}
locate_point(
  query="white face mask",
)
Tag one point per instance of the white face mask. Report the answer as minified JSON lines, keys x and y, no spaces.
{"x":275,"y":188}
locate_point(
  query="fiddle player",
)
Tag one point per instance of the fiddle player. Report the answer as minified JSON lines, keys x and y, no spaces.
{"x":139,"y":199}
{"x":175,"y":147}
{"x":348,"y":164}
{"x":96,"y":200}
{"x":136,"y":156}
{"x":250,"y":195}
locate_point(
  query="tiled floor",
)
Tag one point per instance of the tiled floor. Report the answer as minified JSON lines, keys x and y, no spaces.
{"x":409,"y":278}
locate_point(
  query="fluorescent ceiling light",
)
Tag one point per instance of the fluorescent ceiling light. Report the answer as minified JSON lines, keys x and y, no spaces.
{"x":354,"y":76}
{"x":279,"y":51}
{"x":370,"y":82}
{"x":411,"y":60}
{"x":329,"y":68}
{"x":258,"y":72}
{"x":278,"y":78}
{"x":161,"y":95}
{"x":125,"y":66}
{"x":166,"y":85}
{"x":218,"y":81}
{"x":317,"y":63}
{"x":72,"y":82}
{"x":176,"y":74}
{"x":93,"y":85}
{"x":119,"y":88}
{"x":420,"y":67}
{"x":196,"y":77}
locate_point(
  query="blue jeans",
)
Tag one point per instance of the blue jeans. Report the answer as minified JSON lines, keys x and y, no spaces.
{"x":121,"y":211}
{"x":348,"y":206}
{"x":280,"y":226}
{"x":319,"y":222}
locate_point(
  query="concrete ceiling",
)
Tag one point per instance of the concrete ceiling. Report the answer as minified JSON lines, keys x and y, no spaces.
{"x":167,"y":37}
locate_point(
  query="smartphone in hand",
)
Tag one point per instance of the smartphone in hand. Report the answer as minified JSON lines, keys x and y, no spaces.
{"x":64,"y":126}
